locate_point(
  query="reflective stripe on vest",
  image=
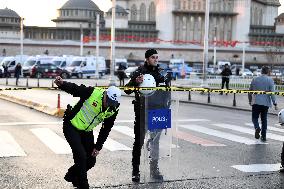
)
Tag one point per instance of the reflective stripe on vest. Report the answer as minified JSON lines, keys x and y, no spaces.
{"x":90,"y":114}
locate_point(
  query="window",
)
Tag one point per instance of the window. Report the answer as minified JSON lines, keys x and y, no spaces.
{"x":133,"y":15}
{"x":142,"y":12}
{"x":152,"y":12}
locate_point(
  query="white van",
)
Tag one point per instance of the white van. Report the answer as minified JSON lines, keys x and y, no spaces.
{"x":33,"y":60}
{"x":86,"y":66}
{"x":62,"y":61}
{"x":12,"y":61}
{"x":119,"y":61}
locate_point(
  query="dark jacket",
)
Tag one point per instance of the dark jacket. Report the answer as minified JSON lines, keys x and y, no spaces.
{"x":18,"y":70}
{"x":159,"y":99}
{"x":84,"y":93}
{"x":226,"y":72}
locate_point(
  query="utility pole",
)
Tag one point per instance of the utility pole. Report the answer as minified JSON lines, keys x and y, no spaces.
{"x":81,"y":40}
{"x":112,"y":44}
{"x":215,"y":38}
{"x":97,"y":44}
{"x":205,"y":51}
{"x":243,"y":58}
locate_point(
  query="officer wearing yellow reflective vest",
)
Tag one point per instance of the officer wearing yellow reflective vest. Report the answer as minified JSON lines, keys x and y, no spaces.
{"x":95,"y":106}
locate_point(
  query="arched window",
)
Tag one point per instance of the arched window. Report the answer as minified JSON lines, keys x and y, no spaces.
{"x":133,"y":14}
{"x":260,"y":17}
{"x":194,"y":5}
{"x":142,"y":12}
{"x":152,"y":12}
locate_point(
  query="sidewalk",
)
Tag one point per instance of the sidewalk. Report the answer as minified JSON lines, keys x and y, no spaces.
{"x":47,"y":100}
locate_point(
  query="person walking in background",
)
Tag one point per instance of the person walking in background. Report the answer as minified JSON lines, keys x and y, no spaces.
{"x":121,"y":74}
{"x":5,"y":67}
{"x":18,"y":72}
{"x":95,"y":106}
{"x":226,"y":72}
{"x":150,"y":67}
{"x":261,"y":102}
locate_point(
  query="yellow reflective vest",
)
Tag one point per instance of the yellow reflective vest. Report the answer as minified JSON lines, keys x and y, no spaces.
{"x":91,"y":114}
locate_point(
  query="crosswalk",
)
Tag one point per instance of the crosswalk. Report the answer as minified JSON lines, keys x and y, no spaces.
{"x":203,"y":132}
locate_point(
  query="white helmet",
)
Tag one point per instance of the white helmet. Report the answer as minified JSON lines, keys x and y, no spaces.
{"x":148,"y":81}
{"x":281,"y":117}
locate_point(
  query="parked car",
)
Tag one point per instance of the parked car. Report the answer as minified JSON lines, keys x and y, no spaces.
{"x":246,"y":72}
{"x":257,"y":72}
{"x":47,"y":70}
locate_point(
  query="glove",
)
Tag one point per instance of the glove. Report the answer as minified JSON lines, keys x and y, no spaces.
{"x":168,"y":78}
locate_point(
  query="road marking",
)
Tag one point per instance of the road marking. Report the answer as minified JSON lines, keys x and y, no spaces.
{"x":124,"y":130}
{"x":8,"y":146}
{"x":196,"y":140}
{"x":268,"y":128}
{"x":220,"y":134}
{"x":254,"y":168}
{"x":30,"y":123}
{"x":248,"y":131}
{"x":111,"y":144}
{"x":193,"y":120}
{"x":52,"y":140}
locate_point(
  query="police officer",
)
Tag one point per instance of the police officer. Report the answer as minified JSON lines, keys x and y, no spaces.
{"x":95,"y":106}
{"x":150,"y":67}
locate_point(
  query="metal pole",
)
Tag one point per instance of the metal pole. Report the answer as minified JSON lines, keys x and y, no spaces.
{"x":81,"y":40}
{"x":112,"y":43}
{"x":243,"y":58}
{"x":215,"y":58}
{"x":22,"y":39}
{"x":97,"y":45}
{"x":205,"y":52}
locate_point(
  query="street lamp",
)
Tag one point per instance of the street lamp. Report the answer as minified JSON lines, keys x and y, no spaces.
{"x":205,"y":52}
{"x":22,"y":38}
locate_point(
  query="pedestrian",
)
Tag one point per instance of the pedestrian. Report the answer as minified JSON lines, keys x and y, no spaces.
{"x":261,"y":102}
{"x":121,"y":74}
{"x":150,"y":67}
{"x":18,"y":72}
{"x":226,"y":72}
{"x":95,"y":106}
{"x":281,"y":121}
{"x":5,"y":67}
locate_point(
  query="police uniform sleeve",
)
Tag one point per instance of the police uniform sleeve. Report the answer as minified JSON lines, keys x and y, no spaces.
{"x":104,"y":131}
{"x":76,"y":90}
{"x":132,"y":82}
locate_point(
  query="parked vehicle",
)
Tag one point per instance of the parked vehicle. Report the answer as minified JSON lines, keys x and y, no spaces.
{"x":86,"y":66}
{"x":62,"y":61}
{"x":33,"y":60}
{"x":221,"y":65}
{"x":246,"y":72}
{"x":47,"y":70}
{"x":179,"y":68}
{"x":12,"y":61}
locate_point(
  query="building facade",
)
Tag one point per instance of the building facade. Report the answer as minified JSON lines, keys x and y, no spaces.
{"x":163,"y":24}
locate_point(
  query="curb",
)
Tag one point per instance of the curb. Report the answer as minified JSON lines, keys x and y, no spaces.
{"x":34,"y":105}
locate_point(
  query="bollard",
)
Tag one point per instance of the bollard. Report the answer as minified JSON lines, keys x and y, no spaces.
{"x":27,"y":83}
{"x":189,"y":96}
{"x":208,"y":99}
{"x":234,"y":100}
{"x":37,"y":81}
{"x":58,"y":101}
{"x":52,"y":86}
{"x":6,"y":80}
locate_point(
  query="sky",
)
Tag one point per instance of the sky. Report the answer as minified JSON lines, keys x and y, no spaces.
{"x":41,"y":12}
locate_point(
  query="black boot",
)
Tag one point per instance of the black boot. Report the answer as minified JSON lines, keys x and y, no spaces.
{"x":135,"y":174}
{"x":154,"y":171}
{"x":69,"y":177}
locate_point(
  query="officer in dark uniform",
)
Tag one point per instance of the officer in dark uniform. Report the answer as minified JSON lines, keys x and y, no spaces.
{"x":95,"y":106}
{"x":150,"y":67}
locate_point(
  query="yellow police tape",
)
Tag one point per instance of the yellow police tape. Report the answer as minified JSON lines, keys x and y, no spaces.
{"x":202,"y":90}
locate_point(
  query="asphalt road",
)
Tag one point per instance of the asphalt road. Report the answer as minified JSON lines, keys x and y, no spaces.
{"x":208,"y":142}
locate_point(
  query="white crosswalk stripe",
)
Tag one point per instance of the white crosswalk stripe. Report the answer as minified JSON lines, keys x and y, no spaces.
{"x":253,"y":168}
{"x":54,"y":142}
{"x":220,"y":134}
{"x":8,"y":146}
{"x":248,"y":131}
{"x":269,"y":128}
{"x":111,"y":144}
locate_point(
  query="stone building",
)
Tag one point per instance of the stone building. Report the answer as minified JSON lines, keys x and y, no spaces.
{"x":176,"y":27}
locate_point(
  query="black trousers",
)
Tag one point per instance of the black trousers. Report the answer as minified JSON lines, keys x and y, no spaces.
{"x":282,"y":155}
{"x":225,"y":80}
{"x":82,"y":145}
{"x":139,"y":132}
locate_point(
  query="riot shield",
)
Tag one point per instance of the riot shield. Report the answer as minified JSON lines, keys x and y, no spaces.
{"x":159,"y":158}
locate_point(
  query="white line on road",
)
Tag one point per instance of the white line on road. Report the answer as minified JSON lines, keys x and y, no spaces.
{"x":111,"y":144}
{"x":221,"y":134}
{"x":30,"y":123}
{"x":254,"y":168}
{"x":8,"y":146}
{"x":268,"y":128}
{"x":52,"y":140}
{"x":248,"y":131}
{"x":124,"y":130}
